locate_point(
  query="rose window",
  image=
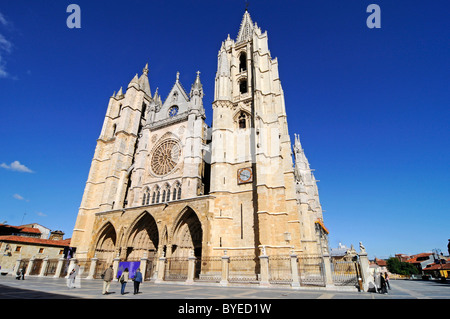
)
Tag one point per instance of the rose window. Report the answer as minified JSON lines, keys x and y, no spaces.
{"x":165,"y":157}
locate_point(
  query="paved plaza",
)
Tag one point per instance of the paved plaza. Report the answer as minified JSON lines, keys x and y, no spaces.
{"x":51,"y":288}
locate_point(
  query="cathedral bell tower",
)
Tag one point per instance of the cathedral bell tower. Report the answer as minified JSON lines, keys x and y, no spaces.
{"x":109,"y":175}
{"x":251,"y":165}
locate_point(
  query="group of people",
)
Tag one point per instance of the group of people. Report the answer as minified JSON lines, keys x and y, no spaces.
{"x":382,"y":283}
{"x":108,"y":276}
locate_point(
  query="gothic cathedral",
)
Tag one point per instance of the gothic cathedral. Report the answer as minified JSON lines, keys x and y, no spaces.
{"x":164,"y":183}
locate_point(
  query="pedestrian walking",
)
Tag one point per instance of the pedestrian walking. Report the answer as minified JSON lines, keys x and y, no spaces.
{"x":383,"y":289}
{"x":123,"y":281}
{"x":107,"y":277}
{"x":386,"y":277}
{"x":73,"y":281}
{"x":137,"y":280}
{"x":377,"y":282}
{"x":20,"y":274}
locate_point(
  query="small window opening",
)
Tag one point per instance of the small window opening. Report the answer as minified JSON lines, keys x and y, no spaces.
{"x":243,"y":62}
{"x":243,"y":86}
{"x":242,"y":121}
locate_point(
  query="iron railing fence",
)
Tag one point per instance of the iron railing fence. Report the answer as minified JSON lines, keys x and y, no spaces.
{"x":311,"y":270}
{"x":176,"y":268}
{"x":280,"y":271}
{"x":244,"y":269}
{"x":344,"y":273}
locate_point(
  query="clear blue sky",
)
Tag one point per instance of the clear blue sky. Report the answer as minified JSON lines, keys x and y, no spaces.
{"x":371,"y":105}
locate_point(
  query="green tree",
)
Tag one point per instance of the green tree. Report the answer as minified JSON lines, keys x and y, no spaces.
{"x":397,"y":267}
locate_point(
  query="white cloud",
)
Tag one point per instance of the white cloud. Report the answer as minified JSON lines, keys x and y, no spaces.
{"x":41,"y":214}
{"x":17,"y":196}
{"x":16,"y":166}
{"x":5,"y":48}
{"x":3,"y":20}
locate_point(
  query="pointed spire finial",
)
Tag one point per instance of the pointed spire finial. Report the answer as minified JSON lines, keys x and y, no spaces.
{"x":178,"y":76}
{"x":145,"y":70}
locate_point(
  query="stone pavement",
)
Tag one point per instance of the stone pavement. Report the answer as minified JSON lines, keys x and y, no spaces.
{"x":51,"y":288}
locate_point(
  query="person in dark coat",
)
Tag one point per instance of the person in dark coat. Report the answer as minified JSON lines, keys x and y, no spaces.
{"x":383,"y":289}
{"x":137,"y":280}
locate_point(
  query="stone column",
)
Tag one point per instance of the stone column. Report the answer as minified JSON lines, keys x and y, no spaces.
{"x":92,"y":269}
{"x":366,"y":277}
{"x":264,"y":264}
{"x":30,"y":266}
{"x":143,"y":265}
{"x":59,"y":267}
{"x":329,"y":283}
{"x":44,"y":267}
{"x":294,"y":270}
{"x":16,"y":267}
{"x":161,"y":269}
{"x":191,"y":268}
{"x":225,"y":269}
{"x":116,"y":267}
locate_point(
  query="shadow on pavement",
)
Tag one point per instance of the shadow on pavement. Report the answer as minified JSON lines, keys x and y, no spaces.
{"x":7,"y":292}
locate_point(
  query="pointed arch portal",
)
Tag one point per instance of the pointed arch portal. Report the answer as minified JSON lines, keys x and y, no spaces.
{"x":143,"y":239}
{"x":187,"y":235}
{"x":106,"y":243}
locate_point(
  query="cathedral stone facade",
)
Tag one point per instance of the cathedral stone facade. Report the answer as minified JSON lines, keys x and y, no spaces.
{"x":164,"y":183}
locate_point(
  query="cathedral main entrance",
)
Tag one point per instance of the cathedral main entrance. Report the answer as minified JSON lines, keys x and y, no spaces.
{"x":187,"y":235}
{"x":143,"y":240}
{"x":186,"y":242}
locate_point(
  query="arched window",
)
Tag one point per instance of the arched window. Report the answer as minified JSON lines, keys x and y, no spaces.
{"x":147,"y":200}
{"x":155,"y":195}
{"x":243,"y":62}
{"x":114,"y":130}
{"x":243,"y":86}
{"x":176,"y":191}
{"x":166,"y":194}
{"x":179,"y":192}
{"x":242,"y":121}
{"x":146,"y":197}
{"x":144,"y":108}
{"x":174,"y":196}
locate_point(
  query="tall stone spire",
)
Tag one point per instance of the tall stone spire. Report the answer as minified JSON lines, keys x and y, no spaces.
{"x":246,"y":29}
{"x":143,"y":81}
{"x":196,"y":94}
{"x":134,"y":82}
